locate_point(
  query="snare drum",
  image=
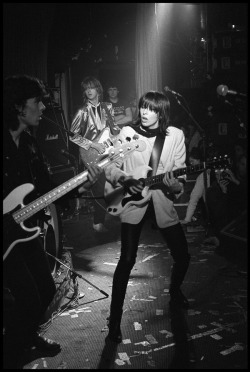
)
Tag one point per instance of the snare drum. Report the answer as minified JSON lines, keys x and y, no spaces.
{"x":51,"y":233}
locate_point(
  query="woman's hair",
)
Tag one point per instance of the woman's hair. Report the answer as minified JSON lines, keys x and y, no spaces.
{"x":159,"y":103}
{"x":196,"y":153}
{"x":16,"y":91}
{"x":91,"y":82}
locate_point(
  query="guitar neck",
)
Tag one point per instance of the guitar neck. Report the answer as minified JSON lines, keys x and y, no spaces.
{"x":121,"y":152}
{"x":177,"y":173}
{"x":32,"y":208}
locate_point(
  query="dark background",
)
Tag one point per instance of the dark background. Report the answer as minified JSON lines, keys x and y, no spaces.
{"x":74,"y":40}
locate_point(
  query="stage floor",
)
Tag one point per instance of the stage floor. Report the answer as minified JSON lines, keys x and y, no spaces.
{"x":212,"y":334}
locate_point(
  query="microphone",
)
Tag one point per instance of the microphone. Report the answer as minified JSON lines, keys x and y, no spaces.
{"x":223,"y":90}
{"x":68,"y":155}
{"x":167,"y":89}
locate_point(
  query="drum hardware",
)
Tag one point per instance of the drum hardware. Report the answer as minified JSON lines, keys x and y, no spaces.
{"x":75,"y":274}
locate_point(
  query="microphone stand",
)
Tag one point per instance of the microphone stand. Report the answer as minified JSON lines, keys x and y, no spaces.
{"x":237,"y":117}
{"x":204,"y":157}
{"x":75,"y":274}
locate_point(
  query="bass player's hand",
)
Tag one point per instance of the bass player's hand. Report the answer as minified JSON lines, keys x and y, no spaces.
{"x":94,"y":172}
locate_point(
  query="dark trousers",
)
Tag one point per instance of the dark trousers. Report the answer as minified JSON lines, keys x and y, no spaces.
{"x":176,"y":241}
{"x":28,"y":277}
{"x":99,"y":203}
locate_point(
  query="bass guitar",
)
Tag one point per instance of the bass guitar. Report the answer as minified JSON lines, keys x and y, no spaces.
{"x":117,"y":202}
{"x":14,"y":229}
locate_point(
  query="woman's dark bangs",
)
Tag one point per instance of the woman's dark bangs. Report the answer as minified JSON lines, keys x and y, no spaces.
{"x":149,"y":103}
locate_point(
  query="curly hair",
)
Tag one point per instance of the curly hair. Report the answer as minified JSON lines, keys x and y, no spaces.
{"x":16,"y":91}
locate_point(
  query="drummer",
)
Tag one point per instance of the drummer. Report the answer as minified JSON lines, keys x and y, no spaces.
{"x":28,"y":283}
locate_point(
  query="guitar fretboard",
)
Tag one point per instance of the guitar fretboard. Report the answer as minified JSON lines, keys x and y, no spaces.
{"x":187,"y":170}
{"x":29,"y":210}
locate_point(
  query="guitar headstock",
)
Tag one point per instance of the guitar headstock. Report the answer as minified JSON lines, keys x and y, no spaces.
{"x":220,"y":162}
{"x":127,"y":147}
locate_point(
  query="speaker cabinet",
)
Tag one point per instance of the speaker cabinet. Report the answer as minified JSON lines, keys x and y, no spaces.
{"x":60,"y":175}
{"x":52,"y":138}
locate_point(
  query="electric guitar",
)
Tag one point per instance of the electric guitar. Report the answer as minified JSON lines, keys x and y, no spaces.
{"x":117,"y":202}
{"x":14,"y":218}
{"x":92,"y":156}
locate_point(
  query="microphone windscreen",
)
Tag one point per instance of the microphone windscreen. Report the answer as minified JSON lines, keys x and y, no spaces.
{"x":222,"y":90}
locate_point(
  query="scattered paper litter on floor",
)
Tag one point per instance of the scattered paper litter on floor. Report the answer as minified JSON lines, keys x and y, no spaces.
{"x":202,"y":326}
{"x":44,"y":363}
{"x":143,"y":343}
{"x":110,"y":263}
{"x":137,"y":326}
{"x":164,"y":347}
{"x":131,"y":284}
{"x":126,"y":341}
{"x":123,"y":356}
{"x":153,"y":297}
{"x":119,"y":362}
{"x":35,"y":366}
{"x":159,"y":312}
{"x":216,"y":337}
{"x":151,"y":363}
{"x":104,"y":329}
{"x":74,"y":316}
{"x":167,"y":333}
{"x":193,"y":312}
{"x":232,"y":349}
{"x":62,"y":365}
{"x":207,"y":333}
{"x":151,"y":339}
{"x":141,"y":299}
{"x":143,"y":352}
{"x":149,"y":257}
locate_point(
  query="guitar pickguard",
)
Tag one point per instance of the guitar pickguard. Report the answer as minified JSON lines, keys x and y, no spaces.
{"x":92,"y":156}
{"x":116,"y":200}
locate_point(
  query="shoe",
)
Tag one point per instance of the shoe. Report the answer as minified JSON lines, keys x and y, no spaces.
{"x":178,"y":300}
{"x":115,"y":333}
{"x":100,"y":228}
{"x":45,"y":344}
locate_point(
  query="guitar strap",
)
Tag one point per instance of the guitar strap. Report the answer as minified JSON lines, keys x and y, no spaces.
{"x":156,"y":154}
{"x":114,"y":129}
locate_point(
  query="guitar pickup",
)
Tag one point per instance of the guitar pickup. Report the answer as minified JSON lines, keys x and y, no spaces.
{"x":110,"y":143}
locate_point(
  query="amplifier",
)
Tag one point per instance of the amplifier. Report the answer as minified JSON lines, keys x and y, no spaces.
{"x":62,"y":173}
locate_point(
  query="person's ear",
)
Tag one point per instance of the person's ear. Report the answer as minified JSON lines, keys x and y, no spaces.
{"x":20,"y":110}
